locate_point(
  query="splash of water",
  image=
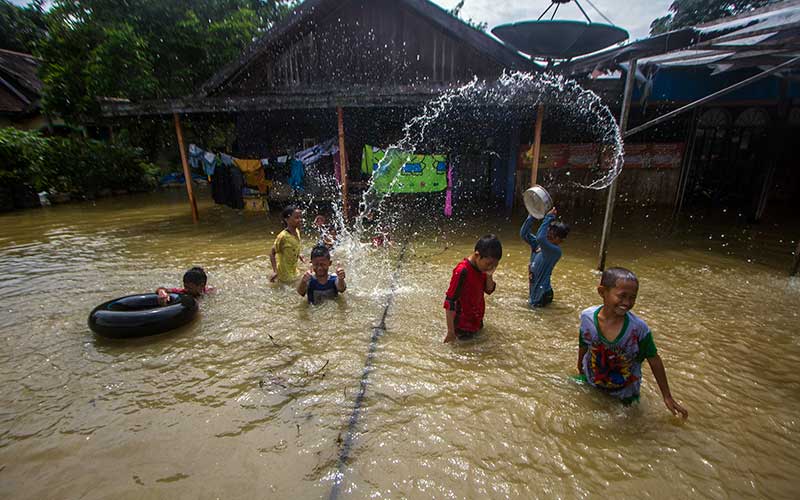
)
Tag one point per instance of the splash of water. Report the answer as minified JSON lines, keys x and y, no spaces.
{"x":461,"y":119}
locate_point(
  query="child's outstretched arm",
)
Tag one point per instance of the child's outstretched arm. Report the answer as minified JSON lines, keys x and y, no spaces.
{"x":541,"y":234}
{"x":302,"y":287}
{"x":341,"y":286}
{"x":274,"y":263}
{"x":451,"y":326}
{"x":525,"y":232}
{"x":661,"y":377}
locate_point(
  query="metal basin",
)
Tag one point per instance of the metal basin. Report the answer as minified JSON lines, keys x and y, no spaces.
{"x":538,"y":201}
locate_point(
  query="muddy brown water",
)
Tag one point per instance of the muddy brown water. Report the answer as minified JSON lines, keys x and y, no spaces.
{"x":254,"y":398}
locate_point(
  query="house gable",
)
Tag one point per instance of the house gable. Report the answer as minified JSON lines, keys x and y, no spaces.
{"x":382,"y":43}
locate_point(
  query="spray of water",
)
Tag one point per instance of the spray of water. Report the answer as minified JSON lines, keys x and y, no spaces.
{"x":460,"y":120}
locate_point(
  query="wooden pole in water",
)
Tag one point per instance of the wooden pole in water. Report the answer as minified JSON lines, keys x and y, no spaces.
{"x":612,"y":190}
{"x":342,"y":160}
{"x":187,"y":175}
{"x":537,"y":144}
{"x":796,"y":266}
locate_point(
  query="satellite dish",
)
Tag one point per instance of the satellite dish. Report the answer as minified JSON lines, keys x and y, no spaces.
{"x":559,"y":39}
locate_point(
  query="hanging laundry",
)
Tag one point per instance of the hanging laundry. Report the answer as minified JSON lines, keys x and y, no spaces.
{"x":448,"y":198}
{"x":195,"y":156}
{"x":253,"y":173}
{"x":315,"y":153}
{"x":398,"y":172}
{"x":209,"y":163}
{"x":226,"y":186}
{"x":226,"y":159}
{"x":296,"y":175}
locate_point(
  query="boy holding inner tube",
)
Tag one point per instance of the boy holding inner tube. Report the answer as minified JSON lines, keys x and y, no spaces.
{"x":194,"y":284}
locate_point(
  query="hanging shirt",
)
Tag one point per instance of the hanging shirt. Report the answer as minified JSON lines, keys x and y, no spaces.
{"x":615,"y":365}
{"x":226,"y":159}
{"x":465,"y":296}
{"x":287,"y":251}
{"x":317,"y":292}
{"x":296,"y":175}
{"x":253,"y":173}
{"x":209,"y":163}
{"x":195,"y":156}
{"x":542,"y":262}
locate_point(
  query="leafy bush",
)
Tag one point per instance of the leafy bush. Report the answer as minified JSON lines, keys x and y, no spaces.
{"x":69,"y":165}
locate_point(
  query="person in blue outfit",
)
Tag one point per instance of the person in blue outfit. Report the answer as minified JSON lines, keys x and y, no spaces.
{"x":545,"y":253}
{"x":317,"y":283}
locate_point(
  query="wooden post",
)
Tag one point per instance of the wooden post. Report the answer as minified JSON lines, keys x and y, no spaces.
{"x":342,"y":160}
{"x":612,"y":191}
{"x":186,"y":173}
{"x":796,"y":266}
{"x":537,"y":144}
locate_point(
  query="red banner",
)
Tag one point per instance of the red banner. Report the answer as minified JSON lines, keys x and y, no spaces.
{"x":651,"y":155}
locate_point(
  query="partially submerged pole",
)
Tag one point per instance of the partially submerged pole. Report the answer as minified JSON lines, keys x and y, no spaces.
{"x":612,"y":190}
{"x":796,"y":266}
{"x":537,"y":144}
{"x":342,"y":161}
{"x":187,"y":175}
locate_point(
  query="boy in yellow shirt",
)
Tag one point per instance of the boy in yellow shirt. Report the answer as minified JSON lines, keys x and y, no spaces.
{"x":286,"y":249}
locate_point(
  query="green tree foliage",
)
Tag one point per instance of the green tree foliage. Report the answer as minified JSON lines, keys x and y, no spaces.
{"x":21,"y":28}
{"x":81,"y":167}
{"x":456,"y":12}
{"x":683,"y":13}
{"x":142,"y":49}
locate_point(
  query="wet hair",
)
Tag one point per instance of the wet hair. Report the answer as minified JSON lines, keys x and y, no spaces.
{"x":559,"y":229}
{"x":320,"y":251}
{"x":489,"y":246}
{"x":287,"y":212}
{"x":614,"y":274}
{"x":195,"y":276}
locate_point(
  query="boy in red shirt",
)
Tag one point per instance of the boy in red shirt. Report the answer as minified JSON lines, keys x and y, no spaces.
{"x":472,"y":277}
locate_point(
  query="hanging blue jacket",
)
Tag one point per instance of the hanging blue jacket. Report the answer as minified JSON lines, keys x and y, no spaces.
{"x":296,"y":174}
{"x":542,"y":262}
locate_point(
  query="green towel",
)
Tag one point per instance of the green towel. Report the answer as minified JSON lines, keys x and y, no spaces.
{"x":416,"y":173}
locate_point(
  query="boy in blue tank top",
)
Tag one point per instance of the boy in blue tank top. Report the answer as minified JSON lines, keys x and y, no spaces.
{"x":316,"y":283}
{"x":613,"y":342}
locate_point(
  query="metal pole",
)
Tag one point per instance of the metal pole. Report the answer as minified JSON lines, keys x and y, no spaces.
{"x":686,"y":166}
{"x":342,"y":160}
{"x":187,"y":175}
{"x":711,"y":97}
{"x":612,"y":191}
{"x":537,"y":144}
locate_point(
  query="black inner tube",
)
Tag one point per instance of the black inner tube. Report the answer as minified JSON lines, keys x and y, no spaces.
{"x":141,"y":315}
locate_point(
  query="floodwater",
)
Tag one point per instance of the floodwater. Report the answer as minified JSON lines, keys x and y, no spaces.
{"x":255,"y":398}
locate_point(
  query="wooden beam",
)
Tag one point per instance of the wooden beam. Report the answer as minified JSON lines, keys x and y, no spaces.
{"x":537,"y":144}
{"x":353,"y":96}
{"x":612,"y":191}
{"x":343,"y":161}
{"x":187,"y":175}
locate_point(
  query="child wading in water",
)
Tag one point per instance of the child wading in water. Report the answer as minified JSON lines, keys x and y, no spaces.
{"x":317,"y":283}
{"x":472,"y":277}
{"x":286,"y":249}
{"x":613,"y":342}
{"x":327,"y":234}
{"x":545,"y":253}
{"x":194,"y":284}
